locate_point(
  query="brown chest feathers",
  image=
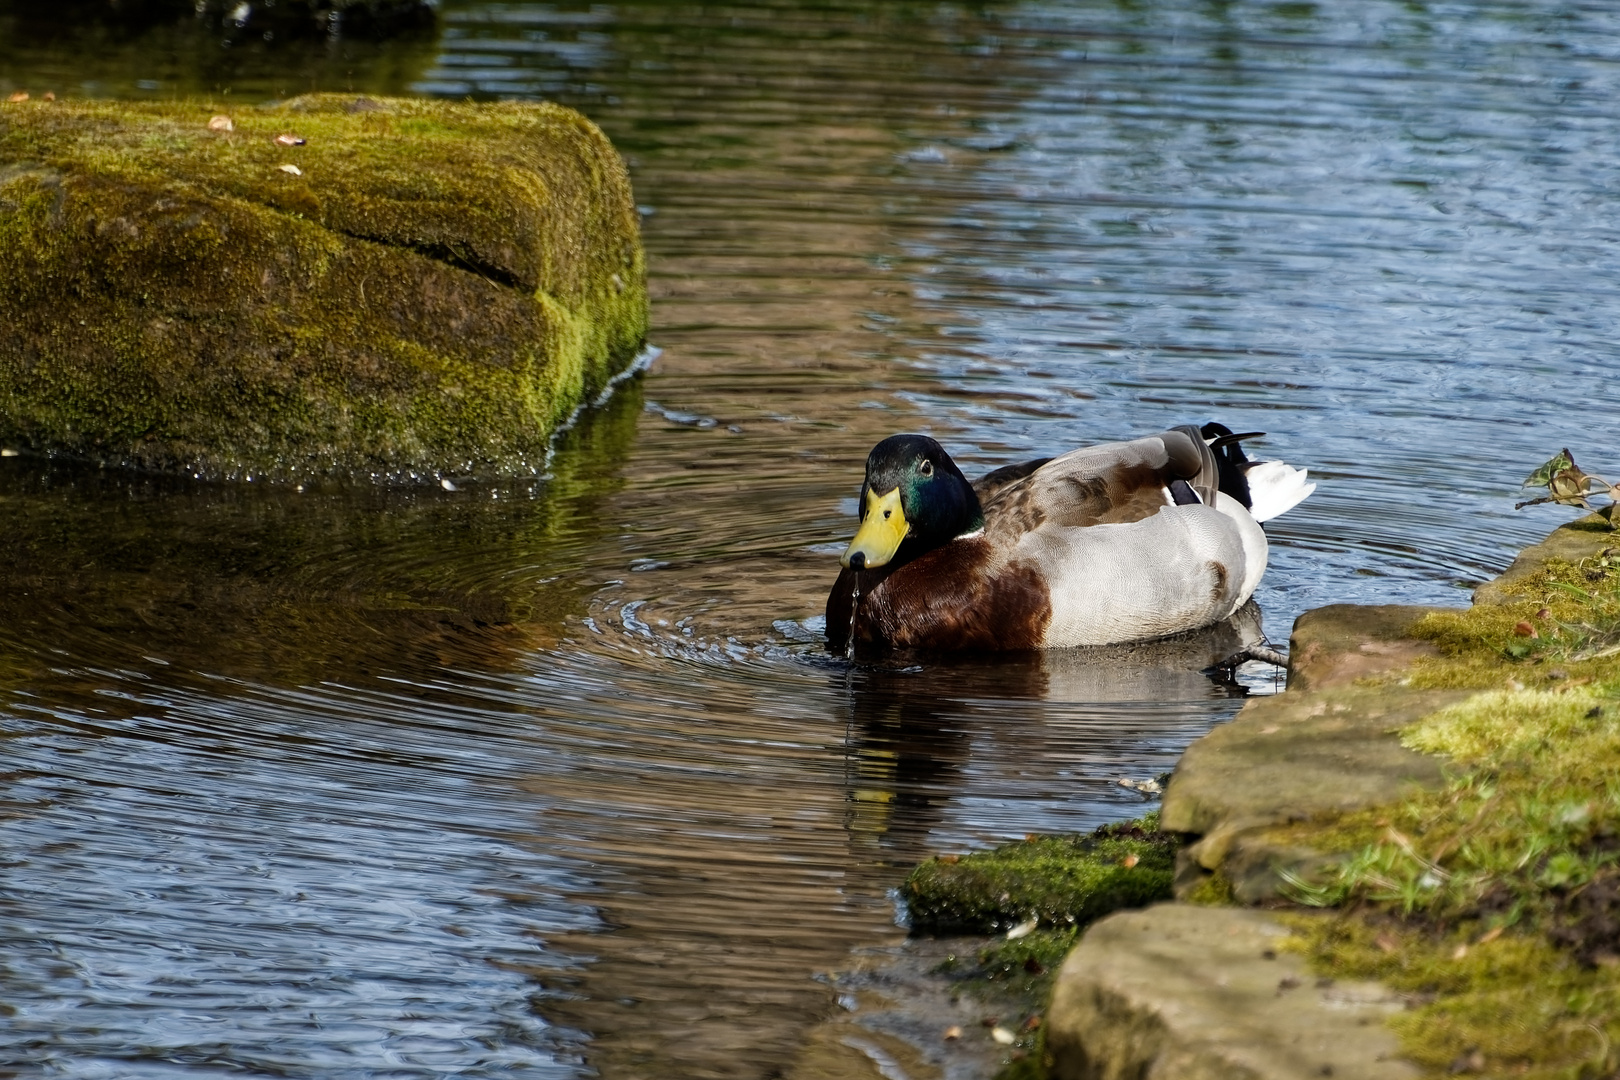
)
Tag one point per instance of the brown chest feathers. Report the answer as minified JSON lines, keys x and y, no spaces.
{"x":946,"y":599}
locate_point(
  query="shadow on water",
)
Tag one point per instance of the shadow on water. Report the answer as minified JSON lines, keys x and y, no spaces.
{"x":161,"y":49}
{"x":156,"y":578}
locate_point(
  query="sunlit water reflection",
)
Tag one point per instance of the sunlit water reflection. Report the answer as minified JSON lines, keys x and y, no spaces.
{"x":552,"y":778}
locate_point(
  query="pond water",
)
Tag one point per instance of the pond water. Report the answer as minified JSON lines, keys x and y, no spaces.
{"x":552,"y":778}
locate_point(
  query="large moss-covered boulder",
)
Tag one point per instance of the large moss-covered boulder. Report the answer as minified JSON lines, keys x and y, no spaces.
{"x":333,"y":285}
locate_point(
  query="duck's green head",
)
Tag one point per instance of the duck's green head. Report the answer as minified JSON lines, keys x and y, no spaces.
{"x":914,"y":500}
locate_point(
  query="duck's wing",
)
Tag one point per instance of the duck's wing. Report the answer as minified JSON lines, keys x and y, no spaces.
{"x":991,"y":484}
{"x":1112,"y":483}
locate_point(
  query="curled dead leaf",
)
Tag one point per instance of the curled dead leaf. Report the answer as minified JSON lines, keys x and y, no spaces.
{"x":1490,"y":935}
{"x":291,"y":169}
{"x":1568,"y":485}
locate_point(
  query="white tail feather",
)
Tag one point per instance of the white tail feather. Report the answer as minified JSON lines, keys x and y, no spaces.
{"x":1275,"y":487}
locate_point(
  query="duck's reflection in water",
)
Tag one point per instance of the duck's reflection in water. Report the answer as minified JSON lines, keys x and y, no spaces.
{"x":764,"y":836}
{"x":948,"y":745}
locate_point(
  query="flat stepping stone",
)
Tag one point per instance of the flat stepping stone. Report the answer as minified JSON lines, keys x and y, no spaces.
{"x":1184,"y":992}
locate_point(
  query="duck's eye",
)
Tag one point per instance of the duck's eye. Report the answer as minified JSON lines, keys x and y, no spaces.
{"x":926,"y":468}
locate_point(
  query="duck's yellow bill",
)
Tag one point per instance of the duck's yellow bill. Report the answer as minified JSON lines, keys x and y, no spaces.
{"x":881,"y":530}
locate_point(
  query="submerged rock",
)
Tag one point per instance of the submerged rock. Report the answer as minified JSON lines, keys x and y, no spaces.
{"x":429,"y":287}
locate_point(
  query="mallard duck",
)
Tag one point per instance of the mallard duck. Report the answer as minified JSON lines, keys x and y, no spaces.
{"x":1122,"y":542}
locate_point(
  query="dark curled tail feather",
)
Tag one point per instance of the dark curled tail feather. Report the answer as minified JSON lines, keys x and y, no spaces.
{"x":1230,"y":460}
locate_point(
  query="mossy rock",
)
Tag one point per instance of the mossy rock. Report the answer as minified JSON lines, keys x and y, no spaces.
{"x":1572,"y":542}
{"x":1059,"y":881}
{"x":419,"y":288}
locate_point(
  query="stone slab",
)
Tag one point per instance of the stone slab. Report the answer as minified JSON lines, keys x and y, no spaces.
{"x":1289,"y":758}
{"x":1570,"y":542}
{"x":1340,"y":643}
{"x":1181,"y":992}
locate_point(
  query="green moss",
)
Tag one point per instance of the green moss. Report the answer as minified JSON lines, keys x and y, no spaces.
{"x":436,"y":289}
{"x":1494,"y":901}
{"x":1499,"y":728}
{"x":1214,"y":890}
{"x":1573,"y":610}
{"x":1524,"y":1007}
{"x":1059,"y":881}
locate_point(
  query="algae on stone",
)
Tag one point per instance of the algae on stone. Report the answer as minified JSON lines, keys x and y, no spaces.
{"x":1509,"y":1005}
{"x":1059,"y":881}
{"x":1494,"y":898}
{"x":1571,"y":542}
{"x":417,"y":288}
